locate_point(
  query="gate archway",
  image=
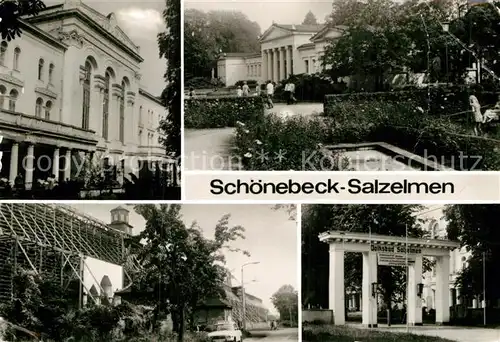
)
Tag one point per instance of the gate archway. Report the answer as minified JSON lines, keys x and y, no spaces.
{"x":389,"y":251}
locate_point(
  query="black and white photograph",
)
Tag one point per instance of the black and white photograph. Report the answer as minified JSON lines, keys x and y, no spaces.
{"x":347,"y":85}
{"x":400,"y":273}
{"x":148,"y":272}
{"x":89,"y":109}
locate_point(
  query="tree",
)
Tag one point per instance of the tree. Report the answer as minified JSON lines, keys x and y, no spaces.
{"x":380,"y":219}
{"x":285,"y":300}
{"x":208,"y":35}
{"x":476,"y":227}
{"x":182,"y":266}
{"x":11,"y":11}
{"x":290,"y":209}
{"x":383,"y":38}
{"x":169,"y":43}
{"x":310,"y":19}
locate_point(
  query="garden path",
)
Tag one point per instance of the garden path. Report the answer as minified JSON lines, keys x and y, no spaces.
{"x":210,"y":149}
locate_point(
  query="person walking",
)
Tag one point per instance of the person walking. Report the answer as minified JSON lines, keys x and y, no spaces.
{"x":270,"y":93}
{"x":292,"y":93}
{"x":288,"y":94}
{"x":245,"y":89}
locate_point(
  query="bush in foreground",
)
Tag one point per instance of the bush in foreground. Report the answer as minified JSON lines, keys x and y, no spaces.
{"x":221,"y":112}
{"x":284,"y":143}
{"x":409,"y":127}
{"x":349,"y":334}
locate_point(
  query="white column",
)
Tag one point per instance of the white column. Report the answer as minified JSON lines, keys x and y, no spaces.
{"x":14,"y":161}
{"x":369,"y":299}
{"x":414,"y":302}
{"x":55,"y":163}
{"x":282,"y":63}
{"x":275,"y":65}
{"x":459,"y":300}
{"x":269,"y":65}
{"x":442,"y":289}
{"x":67,"y":165}
{"x":288,"y":61}
{"x":336,"y":286}
{"x":30,"y":158}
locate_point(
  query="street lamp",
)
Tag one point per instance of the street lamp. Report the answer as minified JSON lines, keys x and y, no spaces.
{"x":446,"y":29}
{"x":243,"y":320}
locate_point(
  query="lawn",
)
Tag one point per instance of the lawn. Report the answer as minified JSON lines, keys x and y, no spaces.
{"x":349,"y":334}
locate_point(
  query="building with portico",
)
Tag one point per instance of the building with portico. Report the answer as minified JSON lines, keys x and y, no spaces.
{"x":285,"y":50}
{"x":70,"y":90}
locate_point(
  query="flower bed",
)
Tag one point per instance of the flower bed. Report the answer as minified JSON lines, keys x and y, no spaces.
{"x":277,"y":143}
{"x":221,"y":112}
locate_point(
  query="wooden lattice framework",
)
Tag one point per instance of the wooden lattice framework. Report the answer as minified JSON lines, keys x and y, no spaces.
{"x":53,"y":240}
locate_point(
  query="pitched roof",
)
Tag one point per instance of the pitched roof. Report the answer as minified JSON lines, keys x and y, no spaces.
{"x":321,"y":33}
{"x":301,"y":28}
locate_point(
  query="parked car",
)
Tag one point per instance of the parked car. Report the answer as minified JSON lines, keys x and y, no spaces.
{"x":226,"y":331}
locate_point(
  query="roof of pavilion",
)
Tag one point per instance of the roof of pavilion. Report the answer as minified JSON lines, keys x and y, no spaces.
{"x":364,"y":238}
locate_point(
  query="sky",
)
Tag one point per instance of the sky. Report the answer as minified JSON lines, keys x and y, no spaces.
{"x":141,"y":21}
{"x":265,"y":12}
{"x":271,"y":239}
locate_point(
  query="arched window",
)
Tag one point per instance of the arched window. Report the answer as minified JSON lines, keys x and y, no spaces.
{"x":140,"y":137}
{"x":3,"y":92}
{"x":86,"y":95}
{"x":38,"y":108}
{"x":12,"y":99}
{"x":51,"y":73}
{"x":3,"y":52}
{"x":122,"y":113}
{"x":48,"y":108}
{"x":40,"y":68}
{"x":17,"y":54}
{"x":434,"y":229}
{"x":140,"y":115}
{"x":105,"y":106}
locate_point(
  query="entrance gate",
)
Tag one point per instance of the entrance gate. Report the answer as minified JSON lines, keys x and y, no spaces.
{"x":389,"y":251}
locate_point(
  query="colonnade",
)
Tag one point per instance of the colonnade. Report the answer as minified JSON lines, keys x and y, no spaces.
{"x":277,"y":63}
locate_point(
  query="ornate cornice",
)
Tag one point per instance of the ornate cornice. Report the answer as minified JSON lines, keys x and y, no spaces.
{"x":72,"y":37}
{"x":46,"y":92}
{"x":11,"y":79}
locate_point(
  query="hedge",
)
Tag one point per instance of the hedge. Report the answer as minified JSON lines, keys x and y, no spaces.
{"x":437,"y":101}
{"x":404,"y":125}
{"x":222,"y":111}
{"x":350,"y":334}
{"x":309,"y":87}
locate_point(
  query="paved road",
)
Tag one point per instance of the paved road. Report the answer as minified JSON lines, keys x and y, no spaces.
{"x":459,"y":334}
{"x":209,"y":149}
{"x":281,"y":335}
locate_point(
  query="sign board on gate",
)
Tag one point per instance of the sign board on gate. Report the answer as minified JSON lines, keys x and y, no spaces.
{"x":395,"y":255}
{"x":394,"y":259}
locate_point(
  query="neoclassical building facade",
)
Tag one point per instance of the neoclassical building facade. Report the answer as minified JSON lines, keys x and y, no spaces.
{"x":70,"y":90}
{"x":285,"y":50}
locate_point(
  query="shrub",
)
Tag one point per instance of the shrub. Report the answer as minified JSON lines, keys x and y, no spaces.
{"x":250,"y":83}
{"x":202,"y":82}
{"x":309,"y":87}
{"x":277,"y":143}
{"x":453,"y":100}
{"x":407,"y":126}
{"x":221,"y":112}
